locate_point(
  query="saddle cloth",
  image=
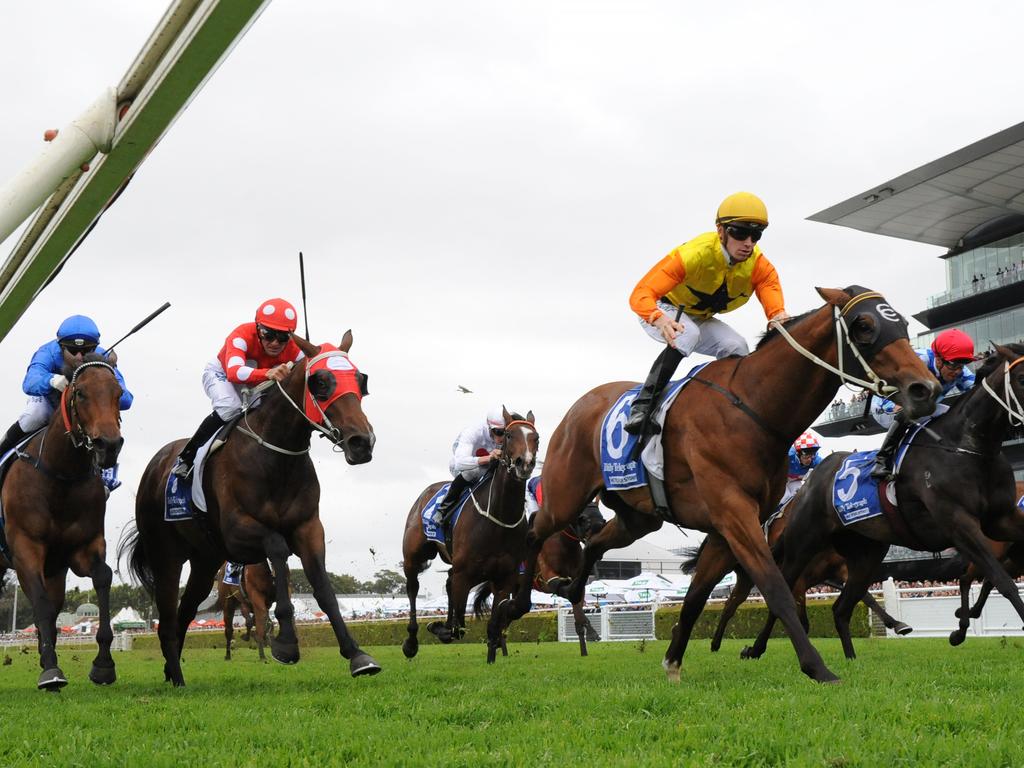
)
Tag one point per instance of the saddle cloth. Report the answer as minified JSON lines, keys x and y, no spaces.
{"x":432,"y":520}
{"x":233,"y":574}
{"x":618,"y":448}
{"x":182,"y":496}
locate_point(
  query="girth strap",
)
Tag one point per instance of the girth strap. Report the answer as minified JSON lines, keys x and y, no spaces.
{"x":732,"y":398}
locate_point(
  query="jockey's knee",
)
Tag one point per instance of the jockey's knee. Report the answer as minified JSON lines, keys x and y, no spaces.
{"x":227,"y":412}
{"x":737,"y":346}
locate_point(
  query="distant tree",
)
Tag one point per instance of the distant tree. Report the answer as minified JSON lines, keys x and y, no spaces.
{"x":385,"y":582}
{"x":25,"y":614}
{"x":342,"y":584}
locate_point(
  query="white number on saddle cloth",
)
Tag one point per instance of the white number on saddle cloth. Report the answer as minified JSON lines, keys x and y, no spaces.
{"x":614,"y":428}
{"x":849,"y":471}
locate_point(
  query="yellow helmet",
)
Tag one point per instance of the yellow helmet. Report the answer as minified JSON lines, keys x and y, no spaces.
{"x":742,"y":206}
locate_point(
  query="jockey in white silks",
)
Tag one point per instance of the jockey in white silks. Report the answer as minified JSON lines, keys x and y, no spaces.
{"x":473,"y":450}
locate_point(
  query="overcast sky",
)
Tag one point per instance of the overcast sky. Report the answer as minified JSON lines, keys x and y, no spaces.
{"x":477,"y":187}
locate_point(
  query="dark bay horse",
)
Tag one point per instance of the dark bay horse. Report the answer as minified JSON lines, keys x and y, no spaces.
{"x":954,"y":489}
{"x":1011,"y":555}
{"x":725,"y":441}
{"x":54,"y":504}
{"x":489,"y":539}
{"x":263,"y":497}
{"x":252,"y":598}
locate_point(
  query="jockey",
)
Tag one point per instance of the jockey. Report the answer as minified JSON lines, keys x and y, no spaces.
{"x":534,"y":496}
{"x":714,"y":273}
{"x":472,"y":453}
{"x":44,"y":381}
{"x":803,"y":457}
{"x":947,"y":358}
{"x":252,"y":353}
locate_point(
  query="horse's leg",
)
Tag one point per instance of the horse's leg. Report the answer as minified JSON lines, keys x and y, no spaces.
{"x":737,"y":597}
{"x":581,"y":626}
{"x":500,"y":592}
{"x":197,"y":589}
{"x":166,"y":575}
{"x":29,"y":561}
{"x":229,"y":625}
{"x":860,"y":568}
{"x":245,"y":609}
{"x":735,"y":517}
{"x":102,"y":672}
{"x":443,"y":630}
{"x":714,"y":562}
{"x":986,"y":590}
{"x":968,"y":539}
{"x":894,"y":624}
{"x":412,"y":565}
{"x":308,"y":542}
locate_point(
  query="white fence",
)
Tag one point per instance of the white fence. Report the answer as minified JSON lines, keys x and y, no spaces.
{"x":122,"y":641}
{"x":933,"y":615}
{"x":612,"y":623}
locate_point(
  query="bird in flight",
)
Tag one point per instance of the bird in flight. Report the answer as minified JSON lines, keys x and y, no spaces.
{"x":464,"y":390}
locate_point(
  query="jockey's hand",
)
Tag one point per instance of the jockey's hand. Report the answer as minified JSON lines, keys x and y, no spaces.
{"x":494,"y":455}
{"x":278,"y":372}
{"x":58,"y":382}
{"x":778,"y":317}
{"x":669,"y":328}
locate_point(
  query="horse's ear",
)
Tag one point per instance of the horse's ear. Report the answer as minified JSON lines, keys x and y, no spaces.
{"x":70,"y":362}
{"x":1004,"y":352}
{"x":529,"y":416}
{"x":834,"y":296}
{"x":112,"y":359}
{"x":505,"y":414}
{"x":309,"y":350}
{"x":346,"y":341}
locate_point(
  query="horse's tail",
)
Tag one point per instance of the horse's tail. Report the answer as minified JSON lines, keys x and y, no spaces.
{"x":480,"y":600}
{"x":691,"y":555}
{"x":138,"y":564}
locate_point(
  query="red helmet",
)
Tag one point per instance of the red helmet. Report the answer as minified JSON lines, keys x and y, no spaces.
{"x":277,"y":314}
{"x":807,"y":442}
{"x":953,"y":344}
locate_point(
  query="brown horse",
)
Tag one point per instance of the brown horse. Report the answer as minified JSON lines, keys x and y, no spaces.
{"x":955,"y":489}
{"x":1011,"y":555}
{"x":252,"y":598}
{"x":54,"y":504}
{"x":263,"y":497}
{"x":489,"y":539}
{"x":828,"y":568}
{"x":725,"y":442}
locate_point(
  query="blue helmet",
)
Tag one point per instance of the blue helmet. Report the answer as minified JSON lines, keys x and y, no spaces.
{"x":78,"y":331}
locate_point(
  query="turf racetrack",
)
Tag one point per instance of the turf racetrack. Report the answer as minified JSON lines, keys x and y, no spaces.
{"x":902,"y":702}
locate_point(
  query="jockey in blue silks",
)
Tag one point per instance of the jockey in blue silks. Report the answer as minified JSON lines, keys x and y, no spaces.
{"x":803,"y":457}
{"x":948,"y":358}
{"x":44,"y":381}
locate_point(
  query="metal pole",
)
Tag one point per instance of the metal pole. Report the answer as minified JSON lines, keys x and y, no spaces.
{"x":14,"y":617}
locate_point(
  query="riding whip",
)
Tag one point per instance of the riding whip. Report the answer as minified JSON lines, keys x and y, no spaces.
{"x":302,"y":279}
{"x":139,"y":326}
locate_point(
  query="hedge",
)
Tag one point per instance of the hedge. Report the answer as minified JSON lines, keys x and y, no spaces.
{"x":543,"y":627}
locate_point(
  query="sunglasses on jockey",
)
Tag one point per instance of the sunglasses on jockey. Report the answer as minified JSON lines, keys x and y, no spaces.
{"x":271,"y":336}
{"x":742,"y":232}
{"x":955,"y":365}
{"x":807,"y":451}
{"x":78,"y":347}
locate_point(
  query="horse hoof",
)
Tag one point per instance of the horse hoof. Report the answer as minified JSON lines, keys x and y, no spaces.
{"x":51,"y":680}
{"x":715,"y":647}
{"x":363,"y":664}
{"x":671,"y":670}
{"x":956,"y":637}
{"x":440,"y":631}
{"x":902,"y":629}
{"x":284,"y":653}
{"x":410,"y":648}
{"x":958,"y":612}
{"x":102,"y":675}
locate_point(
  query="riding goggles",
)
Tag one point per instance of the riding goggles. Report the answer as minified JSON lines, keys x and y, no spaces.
{"x":269,"y":335}
{"x":741,"y":232}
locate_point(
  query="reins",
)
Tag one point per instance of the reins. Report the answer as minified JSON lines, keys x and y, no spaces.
{"x":1012,"y":405}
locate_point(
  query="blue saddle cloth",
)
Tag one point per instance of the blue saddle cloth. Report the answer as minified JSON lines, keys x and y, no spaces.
{"x":854,"y":490}
{"x":233,"y":574}
{"x":178,"y":499}
{"x":1020,"y":503}
{"x":618,"y":447}
{"x":432,"y":520}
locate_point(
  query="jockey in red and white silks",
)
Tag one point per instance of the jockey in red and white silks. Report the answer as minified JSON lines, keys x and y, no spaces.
{"x":803,"y":457}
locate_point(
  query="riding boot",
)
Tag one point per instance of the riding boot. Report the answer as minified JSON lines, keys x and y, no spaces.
{"x":643,"y":406}
{"x":14,"y":436}
{"x":207,"y":429}
{"x":446,"y":508}
{"x":883,"y":468}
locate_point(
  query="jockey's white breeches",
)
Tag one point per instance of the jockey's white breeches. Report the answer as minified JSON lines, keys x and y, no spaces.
{"x":36,"y":415}
{"x":227,"y":401}
{"x":472,"y":475}
{"x":708,"y":336}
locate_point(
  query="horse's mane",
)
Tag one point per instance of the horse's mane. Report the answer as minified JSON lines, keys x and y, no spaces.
{"x":990,"y":363}
{"x":772,"y":332}
{"x":92,"y":357}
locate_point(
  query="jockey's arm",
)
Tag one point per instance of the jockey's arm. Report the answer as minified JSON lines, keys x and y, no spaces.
{"x":40,"y":371}
{"x":464,"y":452}
{"x":663,"y":277}
{"x":768,"y":289}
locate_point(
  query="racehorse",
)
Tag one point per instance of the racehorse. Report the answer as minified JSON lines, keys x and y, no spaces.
{"x":560,"y":559}
{"x":954,"y":489}
{"x":725,"y":441}
{"x":54,"y":503}
{"x":252,"y":598}
{"x":1011,"y":555}
{"x":488,"y":545}
{"x":828,"y":568}
{"x":263,"y":503}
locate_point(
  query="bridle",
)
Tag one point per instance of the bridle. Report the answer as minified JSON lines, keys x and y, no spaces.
{"x":1011,"y":404}
{"x":504,"y":461}
{"x":881,"y":311}
{"x":69,"y":408}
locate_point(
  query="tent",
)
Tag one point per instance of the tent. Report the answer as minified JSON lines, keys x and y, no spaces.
{"x":127,"y":618}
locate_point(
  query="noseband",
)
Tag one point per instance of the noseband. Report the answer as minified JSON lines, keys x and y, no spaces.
{"x":505,"y":460}
{"x":69,"y":409}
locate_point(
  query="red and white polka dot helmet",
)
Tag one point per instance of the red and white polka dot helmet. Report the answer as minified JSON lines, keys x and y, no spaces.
{"x":277,"y":314}
{"x":807,"y":442}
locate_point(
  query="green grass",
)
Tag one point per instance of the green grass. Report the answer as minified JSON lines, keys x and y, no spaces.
{"x":902,"y":702}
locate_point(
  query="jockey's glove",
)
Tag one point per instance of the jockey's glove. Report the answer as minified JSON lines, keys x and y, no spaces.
{"x":59,"y":382}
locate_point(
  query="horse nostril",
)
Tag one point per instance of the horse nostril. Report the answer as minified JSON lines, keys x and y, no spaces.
{"x":921,"y":392}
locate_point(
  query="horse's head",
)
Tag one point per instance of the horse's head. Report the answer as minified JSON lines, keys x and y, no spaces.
{"x":333,"y":393}
{"x":519,"y":452}
{"x":873,"y":343}
{"x":1002,"y":376}
{"x":90,"y":407}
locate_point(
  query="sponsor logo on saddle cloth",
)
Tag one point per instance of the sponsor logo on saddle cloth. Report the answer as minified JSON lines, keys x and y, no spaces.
{"x":432,"y":520}
{"x":619,"y":467}
{"x":347,"y":380}
{"x":1020,"y":503}
{"x":855,"y":492}
{"x":233,"y":574}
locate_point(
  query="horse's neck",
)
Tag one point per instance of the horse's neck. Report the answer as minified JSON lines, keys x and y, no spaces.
{"x":784,"y":387}
{"x":979,"y":424}
{"x":279,"y":422}
{"x":57,"y":451}
{"x":510,"y":493}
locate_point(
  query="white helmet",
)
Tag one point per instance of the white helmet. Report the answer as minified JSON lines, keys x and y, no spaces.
{"x":496,"y":417}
